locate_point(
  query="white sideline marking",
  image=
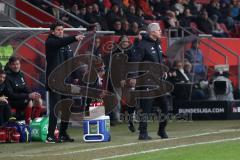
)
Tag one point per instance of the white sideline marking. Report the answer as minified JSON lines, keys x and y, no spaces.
{"x":167,"y":148}
{"x":122,"y":145}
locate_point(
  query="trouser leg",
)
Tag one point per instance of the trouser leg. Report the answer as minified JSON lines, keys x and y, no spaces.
{"x":130,"y":111}
{"x":53,"y":99}
{"x":145,"y":109}
{"x":164,"y":102}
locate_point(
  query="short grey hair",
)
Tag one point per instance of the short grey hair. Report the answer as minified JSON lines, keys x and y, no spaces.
{"x":153,"y":27}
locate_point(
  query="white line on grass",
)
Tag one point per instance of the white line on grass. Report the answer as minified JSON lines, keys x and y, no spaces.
{"x":120,"y":145}
{"x":161,"y":149}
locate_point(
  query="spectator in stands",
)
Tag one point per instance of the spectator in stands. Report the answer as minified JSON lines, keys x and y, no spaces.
{"x":195,"y":56}
{"x":134,"y":29}
{"x":194,"y":6}
{"x":188,"y":69}
{"x":102,"y":5}
{"x":20,"y":96}
{"x":75,"y":11}
{"x":226,"y":18}
{"x":187,"y":20}
{"x":140,"y":18}
{"x":5,"y":111}
{"x":185,"y":88}
{"x":217,"y":30}
{"x":90,"y":17}
{"x":99,"y":16}
{"x":179,"y":7}
{"x":204,"y":23}
{"x":55,"y":10}
{"x":83,"y":12}
{"x":144,"y":5}
{"x":171,"y":20}
{"x":180,"y":74}
{"x":113,"y":15}
{"x":199,"y":90}
{"x":57,"y":51}
{"x":180,"y":79}
{"x":125,"y":27}
{"x":117,"y":27}
{"x":213,"y":8}
{"x":131,"y":14}
{"x":234,"y":9}
{"x":63,"y":16}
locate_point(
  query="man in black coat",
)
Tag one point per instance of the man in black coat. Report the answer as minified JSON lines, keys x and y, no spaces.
{"x":149,"y":50}
{"x":57,"y":51}
{"x":5,"y":111}
{"x":20,"y":96}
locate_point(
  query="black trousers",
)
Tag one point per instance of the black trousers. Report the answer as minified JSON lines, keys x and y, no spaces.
{"x":130,"y":111}
{"x":54,"y":98}
{"x":146,"y":106}
{"x":5,"y":113}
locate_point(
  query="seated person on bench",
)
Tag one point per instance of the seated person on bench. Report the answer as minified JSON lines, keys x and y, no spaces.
{"x":185,"y":88}
{"x":20,"y":96}
{"x":5,"y":110}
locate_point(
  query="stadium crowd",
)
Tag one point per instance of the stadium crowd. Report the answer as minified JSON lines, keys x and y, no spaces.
{"x":217,"y":17}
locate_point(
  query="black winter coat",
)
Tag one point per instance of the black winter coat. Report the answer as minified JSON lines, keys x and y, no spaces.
{"x":57,"y":51}
{"x":16,"y":86}
{"x":3,"y":90}
{"x":147,"y":50}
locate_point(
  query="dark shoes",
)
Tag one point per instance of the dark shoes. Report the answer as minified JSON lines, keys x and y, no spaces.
{"x":63,"y":138}
{"x":131,"y":127}
{"x":52,"y":140}
{"x":144,"y":137}
{"x":66,"y":138}
{"x":162,"y":134}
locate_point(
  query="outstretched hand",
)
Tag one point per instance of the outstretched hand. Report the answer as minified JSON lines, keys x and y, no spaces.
{"x":79,"y":37}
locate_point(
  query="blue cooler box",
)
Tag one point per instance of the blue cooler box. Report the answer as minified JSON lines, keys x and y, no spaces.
{"x":97,"y":130}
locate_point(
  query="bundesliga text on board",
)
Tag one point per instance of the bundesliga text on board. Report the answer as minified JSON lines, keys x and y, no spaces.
{"x":236,"y":109}
{"x":202,"y":110}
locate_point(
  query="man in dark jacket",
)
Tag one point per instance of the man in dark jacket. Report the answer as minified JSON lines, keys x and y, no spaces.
{"x":5,"y":111}
{"x":57,"y":51}
{"x":149,"y":50}
{"x":20,"y":96}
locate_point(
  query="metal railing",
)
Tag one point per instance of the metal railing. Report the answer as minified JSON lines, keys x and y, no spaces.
{"x":24,"y":42}
{"x":190,"y":33}
{"x":23,"y":12}
{"x":84,"y":23}
{"x":185,"y":30}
